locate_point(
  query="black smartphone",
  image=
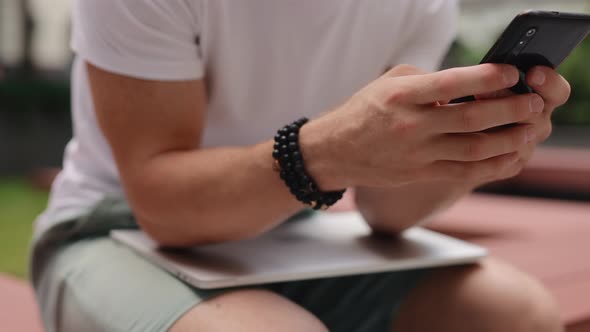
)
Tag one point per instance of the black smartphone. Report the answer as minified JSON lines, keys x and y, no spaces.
{"x":537,"y":38}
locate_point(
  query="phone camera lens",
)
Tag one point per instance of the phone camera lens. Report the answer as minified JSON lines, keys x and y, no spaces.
{"x":531,"y":32}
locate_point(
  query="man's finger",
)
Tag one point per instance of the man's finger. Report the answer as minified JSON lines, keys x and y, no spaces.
{"x":404,"y":70}
{"x":550,"y":85}
{"x":476,"y":171}
{"x":483,"y":114}
{"x":454,"y":83}
{"x":495,"y":94}
{"x":482,"y":146}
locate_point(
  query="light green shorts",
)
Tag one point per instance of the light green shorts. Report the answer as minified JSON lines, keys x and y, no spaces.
{"x":86,"y":282}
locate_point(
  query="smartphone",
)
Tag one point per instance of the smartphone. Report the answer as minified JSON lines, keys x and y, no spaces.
{"x":537,"y":38}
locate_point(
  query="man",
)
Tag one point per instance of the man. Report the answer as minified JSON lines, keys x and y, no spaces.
{"x":175,"y":107}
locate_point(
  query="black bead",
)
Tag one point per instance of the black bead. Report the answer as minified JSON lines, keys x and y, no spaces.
{"x":298,"y":167}
{"x":304,"y":179}
{"x":313,"y":186}
{"x":292,"y":172}
{"x":301,"y":121}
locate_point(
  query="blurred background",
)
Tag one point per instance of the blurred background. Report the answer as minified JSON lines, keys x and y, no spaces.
{"x":35,"y":120}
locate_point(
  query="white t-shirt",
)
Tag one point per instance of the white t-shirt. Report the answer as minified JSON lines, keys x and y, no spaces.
{"x":265,"y":63}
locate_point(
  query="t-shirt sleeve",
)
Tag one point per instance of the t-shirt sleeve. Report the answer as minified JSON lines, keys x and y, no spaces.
{"x":146,"y":39}
{"x":431,"y":29}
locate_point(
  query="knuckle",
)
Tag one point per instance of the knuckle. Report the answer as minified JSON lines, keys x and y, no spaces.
{"x":404,"y":69}
{"x":492,"y":76}
{"x":518,"y":168}
{"x":403,"y":128}
{"x":475,"y":148}
{"x":517,"y":138}
{"x":515,"y":170}
{"x":469,"y":120}
{"x":522,"y":107}
{"x":445,"y":84}
{"x":398,"y":95}
{"x":472,"y":172}
{"x":416,"y":157}
{"x":547,"y":131}
{"x":567,"y":92}
{"x":498,"y":165}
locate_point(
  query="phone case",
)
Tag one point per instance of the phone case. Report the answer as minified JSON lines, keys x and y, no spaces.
{"x":538,"y":38}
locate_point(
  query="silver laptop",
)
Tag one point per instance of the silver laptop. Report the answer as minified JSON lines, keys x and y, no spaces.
{"x":323,"y":245}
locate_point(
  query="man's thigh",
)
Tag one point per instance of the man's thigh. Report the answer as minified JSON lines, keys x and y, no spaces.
{"x":99,"y":285}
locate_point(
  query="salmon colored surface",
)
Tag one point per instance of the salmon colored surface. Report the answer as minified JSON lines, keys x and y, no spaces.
{"x":547,"y":239}
{"x":18,"y":311}
{"x":557,"y":169}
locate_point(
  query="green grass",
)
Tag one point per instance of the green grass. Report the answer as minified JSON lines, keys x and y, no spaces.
{"x":19,"y":206}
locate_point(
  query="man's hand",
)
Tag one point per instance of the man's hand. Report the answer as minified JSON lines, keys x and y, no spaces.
{"x":399,"y":131}
{"x":421,"y":201}
{"x":555,"y":91}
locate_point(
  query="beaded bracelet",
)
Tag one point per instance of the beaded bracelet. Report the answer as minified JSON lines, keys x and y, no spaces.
{"x":289,"y":163}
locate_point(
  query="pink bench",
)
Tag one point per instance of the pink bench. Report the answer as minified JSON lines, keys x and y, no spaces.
{"x":545,"y":238}
{"x":18,"y":311}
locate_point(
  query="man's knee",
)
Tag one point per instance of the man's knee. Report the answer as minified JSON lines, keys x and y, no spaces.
{"x":489,"y":297}
{"x":509,"y":300}
{"x":529,"y":307}
{"x":248,"y":310}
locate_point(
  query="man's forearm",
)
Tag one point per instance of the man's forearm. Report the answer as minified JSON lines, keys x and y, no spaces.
{"x":393,"y":210}
{"x":211,"y":195}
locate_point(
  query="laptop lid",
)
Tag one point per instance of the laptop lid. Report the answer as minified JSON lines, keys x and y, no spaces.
{"x":323,"y":245}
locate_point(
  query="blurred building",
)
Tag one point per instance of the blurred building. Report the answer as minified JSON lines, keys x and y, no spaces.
{"x":37,"y":30}
{"x":35,"y":58}
{"x":481,"y":22}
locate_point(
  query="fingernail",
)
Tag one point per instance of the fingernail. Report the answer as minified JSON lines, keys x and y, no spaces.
{"x":531,"y":135}
{"x":537,"y":104}
{"x":511,"y":76}
{"x":538,"y":77}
